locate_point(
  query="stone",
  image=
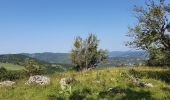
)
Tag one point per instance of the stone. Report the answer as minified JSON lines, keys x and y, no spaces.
{"x":7,"y":83}
{"x":67,"y":81}
{"x":116,"y":90}
{"x":143,"y":84}
{"x":149,"y":85}
{"x":38,"y":79}
{"x":64,"y":82}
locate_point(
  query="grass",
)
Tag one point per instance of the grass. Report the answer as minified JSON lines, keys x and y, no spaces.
{"x":9,"y":66}
{"x":93,"y":85}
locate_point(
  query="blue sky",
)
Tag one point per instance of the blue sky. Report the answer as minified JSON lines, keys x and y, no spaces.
{"x":51,"y":25}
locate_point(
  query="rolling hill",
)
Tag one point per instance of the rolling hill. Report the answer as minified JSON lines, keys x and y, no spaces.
{"x":129,"y":54}
{"x":115,"y":57}
{"x":17,"y":62}
{"x":17,"y":59}
{"x":59,"y":58}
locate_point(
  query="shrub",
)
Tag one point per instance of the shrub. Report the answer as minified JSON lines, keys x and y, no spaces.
{"x":11,"y":75}
{"x":162,"y":75}
{"x":33,"y":68}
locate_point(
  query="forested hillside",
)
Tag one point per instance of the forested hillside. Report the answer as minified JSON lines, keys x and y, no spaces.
{"x":17,"y":59}
{"x":115,"y":57}
{"x":62,"y":58}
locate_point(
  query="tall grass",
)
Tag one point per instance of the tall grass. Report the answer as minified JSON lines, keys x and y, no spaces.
{"x":93,"y":85}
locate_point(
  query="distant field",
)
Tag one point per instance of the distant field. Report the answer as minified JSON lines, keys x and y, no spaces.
{"x":9,"y":66}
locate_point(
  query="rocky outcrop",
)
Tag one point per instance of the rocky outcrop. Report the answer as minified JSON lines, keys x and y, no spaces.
{"x":116,"y":90}
{"x":137,"y":82}
{"x":7,"y":83}
{"x":143,"y":84}
{"x":38,"y":79}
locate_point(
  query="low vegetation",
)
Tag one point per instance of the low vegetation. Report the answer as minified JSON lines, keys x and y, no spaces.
{"x":10,"y":66}
{"x":94,"y":84}
{"x":11,"y":74}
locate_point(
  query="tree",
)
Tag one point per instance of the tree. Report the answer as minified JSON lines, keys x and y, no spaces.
{"x":32,"y":67}
{"x":152,"y":31}
{"x":3,"y":73}
{"x":86,"y":54}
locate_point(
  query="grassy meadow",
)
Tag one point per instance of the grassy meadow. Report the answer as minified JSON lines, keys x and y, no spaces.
{"x":94,"y":85}
{"x":13,"y":67}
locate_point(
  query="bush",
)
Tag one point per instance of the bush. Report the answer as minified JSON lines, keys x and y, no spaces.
{"x":33,"y":68}
{"x":163,"y":75}
{"x":11,"y":75}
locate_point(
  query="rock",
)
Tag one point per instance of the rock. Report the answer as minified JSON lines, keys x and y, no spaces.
{"x":143,"y":84}
{"x":64,"y":82}
{"x":38,"y":79}
{"x":116,"y":90}
{"x":139,"y":84}
{"x":67,"y":81}
{"x":98,"y":82}
{"x":7,"y":83}
{"x":149,"y":85}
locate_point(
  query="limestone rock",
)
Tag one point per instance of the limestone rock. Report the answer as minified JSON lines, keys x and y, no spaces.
{"x":38,"y":79}
{"x":143,"y":84}
{"x":7,"y":83}
{"x":149,"y":85}
{"x":116,"y":90}
{"x":66,"y":81}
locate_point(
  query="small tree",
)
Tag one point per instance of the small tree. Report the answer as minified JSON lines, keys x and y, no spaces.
{"x":86,"y":54}
{"x":32,"y":67}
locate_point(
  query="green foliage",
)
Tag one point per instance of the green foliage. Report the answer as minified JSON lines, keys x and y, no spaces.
{"x":32,"y":67}
{"x":162,"y":75}
{"x":152,"y":32}
{"x":85,"y":53}
{"x":16,"y":59}
{"x":19,"y":59}
{"x":11,"y":75}
{"x":159,"y":58}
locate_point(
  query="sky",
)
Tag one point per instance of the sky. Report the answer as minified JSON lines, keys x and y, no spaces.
{"x":32,"y":26}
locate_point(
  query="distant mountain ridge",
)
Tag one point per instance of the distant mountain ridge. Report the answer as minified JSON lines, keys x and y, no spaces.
{"x":60,"y":58}
{"x":127,"y":54}
{"x":17,"y":59}
{"x":63,"y":58}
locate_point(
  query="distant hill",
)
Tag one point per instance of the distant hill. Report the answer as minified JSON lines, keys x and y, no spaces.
{"x":17,"y":62}
{"x":61,"y":61}
{"x":127,"y":61}
{"x":122,"y":57}
{"x":129,"y":54}
{"x":60,"y":58}
{"x":17,"y":59}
